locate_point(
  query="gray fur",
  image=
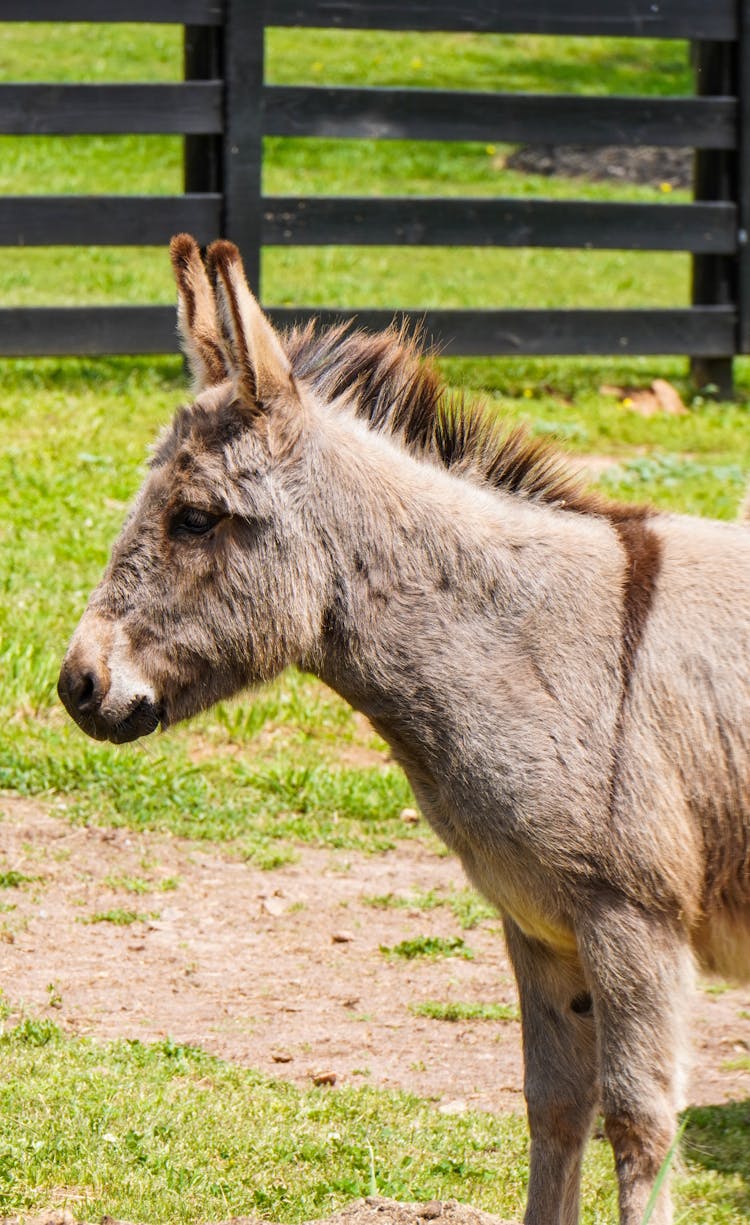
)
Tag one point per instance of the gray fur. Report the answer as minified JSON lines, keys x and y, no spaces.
{"x":568,"y":697}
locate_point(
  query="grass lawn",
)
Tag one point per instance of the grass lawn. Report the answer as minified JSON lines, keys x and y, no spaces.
{"x":164,"y":1133}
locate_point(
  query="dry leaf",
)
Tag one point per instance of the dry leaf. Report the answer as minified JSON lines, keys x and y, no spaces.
{"x":669,"y":398}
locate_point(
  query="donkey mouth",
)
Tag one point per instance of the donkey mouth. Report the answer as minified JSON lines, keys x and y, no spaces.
{"x":141,"y":720}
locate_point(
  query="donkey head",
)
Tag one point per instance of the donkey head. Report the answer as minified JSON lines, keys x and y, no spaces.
{"x":214,"y":583}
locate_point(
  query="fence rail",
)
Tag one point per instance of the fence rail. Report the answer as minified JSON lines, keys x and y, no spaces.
{"x":432,"y":114}
{"x":706,"y":331}
{"x":223,"y":110}
{"x":66,"y":110}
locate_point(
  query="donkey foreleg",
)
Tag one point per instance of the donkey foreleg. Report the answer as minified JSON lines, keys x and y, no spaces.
{"x":640,"y":970}
{"x":559,"y":1075}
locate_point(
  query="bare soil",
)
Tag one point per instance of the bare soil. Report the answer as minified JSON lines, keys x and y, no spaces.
{"x":282,"y":971}
{"x":375,"y":1210}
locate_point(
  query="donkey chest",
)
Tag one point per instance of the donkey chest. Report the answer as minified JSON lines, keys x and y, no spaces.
{"x":500,"y":862}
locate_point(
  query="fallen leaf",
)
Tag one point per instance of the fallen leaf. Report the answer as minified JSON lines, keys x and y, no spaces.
{"x":669,"y":398}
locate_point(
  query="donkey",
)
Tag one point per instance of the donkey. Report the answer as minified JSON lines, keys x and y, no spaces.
{"x":564,"y":679}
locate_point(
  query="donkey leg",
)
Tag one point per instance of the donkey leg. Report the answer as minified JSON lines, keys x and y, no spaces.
{"x":559,"y":1074}
{"x":640,"y":969}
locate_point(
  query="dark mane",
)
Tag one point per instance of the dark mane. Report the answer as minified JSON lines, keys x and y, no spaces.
{"x":385,"y":379}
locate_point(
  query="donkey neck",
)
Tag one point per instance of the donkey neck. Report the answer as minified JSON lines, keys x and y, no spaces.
{"x":436,"y":584}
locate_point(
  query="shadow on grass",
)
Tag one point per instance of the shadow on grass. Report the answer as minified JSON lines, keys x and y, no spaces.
{"x":717,"y":1138}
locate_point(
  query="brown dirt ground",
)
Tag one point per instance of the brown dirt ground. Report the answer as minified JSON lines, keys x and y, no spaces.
{"x":283,"y":971}
{"x":375,"y":1210}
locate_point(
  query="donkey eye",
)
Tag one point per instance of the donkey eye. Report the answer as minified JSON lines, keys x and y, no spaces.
{"x":190,"y":521}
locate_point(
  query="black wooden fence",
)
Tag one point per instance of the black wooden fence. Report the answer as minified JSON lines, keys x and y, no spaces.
{"x":224,"y":109}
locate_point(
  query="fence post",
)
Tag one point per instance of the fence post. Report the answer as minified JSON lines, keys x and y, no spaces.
{"x":715,"y":280}
{"x":743,"y":179}
{"x":243,"y":131}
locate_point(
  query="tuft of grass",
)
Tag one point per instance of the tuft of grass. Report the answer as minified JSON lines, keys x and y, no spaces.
{"x":428,"y":946}
{"x":139,"y":885}
{"x":469,"y":908}
{"x":716,"y":988}
{"x":740,"y":1064}
{"x":12,"y":879}
{"x":457,"y":1011}
{"x":118,"y":916}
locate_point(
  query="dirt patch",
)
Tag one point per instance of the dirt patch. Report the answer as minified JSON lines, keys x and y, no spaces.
{"x":375,"y":1210}
{"x":282,"y":971}
{"x":647,"y":164}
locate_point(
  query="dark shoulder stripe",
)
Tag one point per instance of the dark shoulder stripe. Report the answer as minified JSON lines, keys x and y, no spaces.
{"x":643,"y":556}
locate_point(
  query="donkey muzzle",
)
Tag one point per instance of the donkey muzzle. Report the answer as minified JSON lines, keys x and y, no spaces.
{"x":100,"y":688}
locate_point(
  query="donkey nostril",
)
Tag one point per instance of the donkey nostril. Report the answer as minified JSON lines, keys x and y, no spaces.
{"x":86,"y":693}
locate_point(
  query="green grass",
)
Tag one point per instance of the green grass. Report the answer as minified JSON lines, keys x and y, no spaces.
{"x":429,"y":947}
{"x":468,"y":907}
{"x":140,"y":885}
{"x":13,"y":879}
{"x":119,"y":917}
{"x":458,"y":1011}
{"x":165,"y":1133}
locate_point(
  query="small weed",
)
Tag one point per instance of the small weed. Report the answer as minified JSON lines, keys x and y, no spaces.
{"x":716,"y":988}
{"x":268,"y":856}
{"x":54,"y":998}
{"x":740,"y":1064}
{"x":468,"y":907}
{"x":428,"y":946}
{"x":456,"y":1011}
{"x":140,"y":885}
{"x":119,"y":917}
{"x":32,"y":1032}
{"x":13,"y":880}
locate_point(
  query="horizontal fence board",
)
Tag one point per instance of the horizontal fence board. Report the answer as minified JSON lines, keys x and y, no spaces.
{"x":706,"y":331}
{"x":107,"y":221}
{"x":702,"y":331}
{"x":699,"y":19}
{"x":667,"y":19}
{"x":34,"y":331}
{"x":415,"y":221}
{"x":187,"y":12}
{"x":440,"y":114}
{"x":194,"y":108}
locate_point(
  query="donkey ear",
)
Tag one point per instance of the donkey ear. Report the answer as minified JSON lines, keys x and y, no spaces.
{"x":259,"y":358}
{"x":196,"y":315}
